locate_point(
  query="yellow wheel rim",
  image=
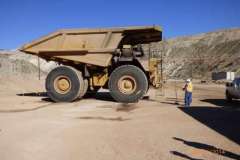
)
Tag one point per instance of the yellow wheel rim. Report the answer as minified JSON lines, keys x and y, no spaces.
{"x":62,"y":84}
{"x":127,"y":84}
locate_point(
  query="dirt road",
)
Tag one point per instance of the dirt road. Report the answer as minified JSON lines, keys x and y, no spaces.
{"x":32,"y":127}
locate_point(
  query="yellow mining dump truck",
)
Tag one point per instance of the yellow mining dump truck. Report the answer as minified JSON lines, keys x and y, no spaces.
{"x":110,"y":58}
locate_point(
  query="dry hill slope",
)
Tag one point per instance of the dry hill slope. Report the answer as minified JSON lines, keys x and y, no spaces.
{"x":202,"y":54}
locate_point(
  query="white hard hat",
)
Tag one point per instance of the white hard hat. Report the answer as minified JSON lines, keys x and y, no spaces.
{"x":188,"y":80}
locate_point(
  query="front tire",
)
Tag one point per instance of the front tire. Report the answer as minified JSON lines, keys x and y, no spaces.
{"x":128,"y":84}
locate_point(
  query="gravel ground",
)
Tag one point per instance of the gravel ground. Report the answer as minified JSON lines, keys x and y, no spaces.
{"x":33,"y":127}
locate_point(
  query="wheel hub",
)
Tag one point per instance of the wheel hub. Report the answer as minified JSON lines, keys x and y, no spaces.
{"x":127,"y":84}
{"x":62,"y":84}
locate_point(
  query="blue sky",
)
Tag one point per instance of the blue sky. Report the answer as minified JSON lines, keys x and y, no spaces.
{"x":24,"y":20}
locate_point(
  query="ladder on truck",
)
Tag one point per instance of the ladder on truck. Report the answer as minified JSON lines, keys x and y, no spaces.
{"x":158,"y":53}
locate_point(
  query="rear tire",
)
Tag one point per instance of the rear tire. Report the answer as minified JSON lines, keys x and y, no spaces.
{"x":64,"y":84}
{"x":85,"y":81}
{"x":128,"y":84}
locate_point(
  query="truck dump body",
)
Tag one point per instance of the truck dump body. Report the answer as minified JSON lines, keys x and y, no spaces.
{"x":90,"y":46}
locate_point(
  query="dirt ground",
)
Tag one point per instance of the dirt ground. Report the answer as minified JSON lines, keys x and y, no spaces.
{"x":96,"y":127}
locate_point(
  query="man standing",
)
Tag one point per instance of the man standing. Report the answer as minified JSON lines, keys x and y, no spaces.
{"x":188,"y":88}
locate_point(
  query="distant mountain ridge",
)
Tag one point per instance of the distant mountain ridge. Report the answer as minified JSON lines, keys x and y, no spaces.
{"x":199,"y":55}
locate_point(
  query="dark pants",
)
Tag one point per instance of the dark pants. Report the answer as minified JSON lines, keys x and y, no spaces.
{"x":188,"y":99}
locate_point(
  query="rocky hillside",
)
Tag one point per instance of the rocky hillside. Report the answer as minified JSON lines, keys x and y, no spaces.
{"x":15,"y":63}
{"x":200,"y":55}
